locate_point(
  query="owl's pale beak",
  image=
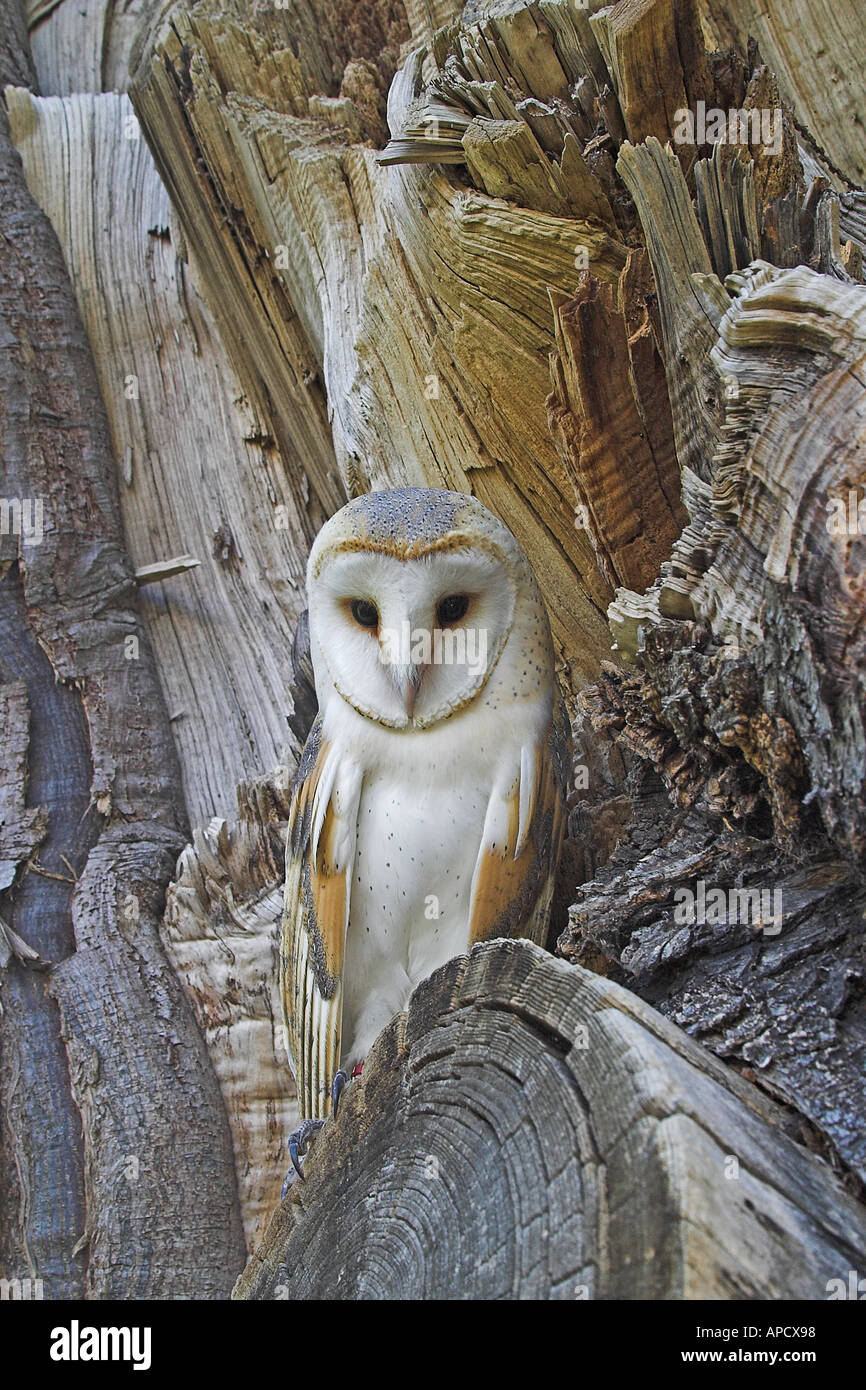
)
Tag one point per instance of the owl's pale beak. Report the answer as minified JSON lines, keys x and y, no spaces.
{"x":408,"y":682}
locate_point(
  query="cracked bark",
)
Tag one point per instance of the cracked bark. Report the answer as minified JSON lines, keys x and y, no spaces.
{"x":530,"y":1130}
{"x":648,"y":361}
{"x":114,"y":1136}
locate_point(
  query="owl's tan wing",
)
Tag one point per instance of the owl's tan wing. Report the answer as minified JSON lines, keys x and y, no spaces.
{"x":320,"y":856}
{"x":515,"y":873}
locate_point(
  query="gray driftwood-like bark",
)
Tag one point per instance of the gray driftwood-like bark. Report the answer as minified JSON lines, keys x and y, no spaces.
{"x":746,"y":697}
{"x":117,"y":1176}
{"x":529,"y":1130}
{"x":371,"y":244}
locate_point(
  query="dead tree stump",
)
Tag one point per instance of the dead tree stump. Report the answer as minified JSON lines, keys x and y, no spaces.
{"x":530,"y":1130}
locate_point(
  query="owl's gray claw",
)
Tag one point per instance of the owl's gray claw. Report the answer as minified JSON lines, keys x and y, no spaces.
{"x":338,"y":1086}
{"x":299,"y":1143}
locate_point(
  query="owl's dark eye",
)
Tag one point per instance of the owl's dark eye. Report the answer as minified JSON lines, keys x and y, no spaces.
{"x":365,"y":612}
{"x":452,"y":608}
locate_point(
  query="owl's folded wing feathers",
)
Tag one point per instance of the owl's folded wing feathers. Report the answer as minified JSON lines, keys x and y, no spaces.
{"x":320,"y":855}
{"x":515,"y":873}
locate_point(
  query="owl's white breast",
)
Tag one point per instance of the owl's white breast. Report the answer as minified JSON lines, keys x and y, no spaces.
{"x":424,"y":796}
{"x":420,"y":823}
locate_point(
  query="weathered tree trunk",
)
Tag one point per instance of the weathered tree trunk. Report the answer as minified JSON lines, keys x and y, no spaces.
{"x":116,"y":1160}
{"x":364,"y":244}
{"x":529,"y":1130}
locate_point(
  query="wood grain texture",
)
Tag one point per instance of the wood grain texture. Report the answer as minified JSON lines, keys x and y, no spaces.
{"x":610,"y":418}
{"x":221,"y":933}
{"x":681,"y":267}
{"x":403,"y":280}
{"x":529,"y":1130}
{"x":84,"y":47}
{"x":741,"y":704}
{"x":776,"y":523}
{"x":784,"y":1008}
{"x":103,"y":1073}
{"x":655,"y":55}
{"x":48,"y":829}
{"x":361,"y":321}
{"x":22,"y":827}
{"x":815,"y":47}
{"x":198,"y":468}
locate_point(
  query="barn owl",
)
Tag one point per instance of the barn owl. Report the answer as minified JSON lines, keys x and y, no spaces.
{"x":429,"y":804}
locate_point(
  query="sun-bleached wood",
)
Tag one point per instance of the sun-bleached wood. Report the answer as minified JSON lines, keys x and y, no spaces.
{"x":442,"y":315}
{"x":365,"y":320}
{"x":816,"y":49}
{"x":527,"y":1129}
{"x":198,"y":468}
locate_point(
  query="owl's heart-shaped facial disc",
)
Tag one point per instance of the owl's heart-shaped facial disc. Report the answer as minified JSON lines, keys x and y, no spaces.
{"x":407,"y":642}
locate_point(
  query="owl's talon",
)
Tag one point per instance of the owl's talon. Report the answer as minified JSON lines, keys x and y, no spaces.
{"x":338,"y":1086}
{"x":299,"y":1143}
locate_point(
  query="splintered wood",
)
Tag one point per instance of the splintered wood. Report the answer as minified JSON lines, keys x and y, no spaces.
{"x":562,"y":1140}
{"x":564,"y":257}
